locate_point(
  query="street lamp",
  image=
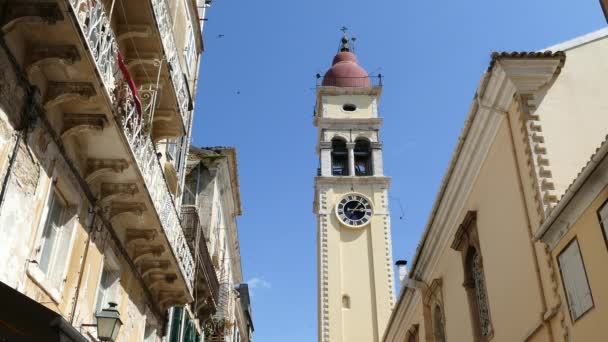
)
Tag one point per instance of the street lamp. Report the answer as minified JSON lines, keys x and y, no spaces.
{"x":108,"y":323}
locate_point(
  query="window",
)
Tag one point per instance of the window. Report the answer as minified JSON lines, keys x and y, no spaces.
{"x":602,"y":214}
{"x":477,"y":281}
{"x":177,"y":316}
{"x":349,"y":107}
{"x":55,"y":239}
{"x":575,"y":282}
{"x":107,"y":290}
{"x":190,"y":47}
{"x":466,"y":241}
{"x":438,"y":326}
{"x":363,"y":165}
{"x":339,"y":157}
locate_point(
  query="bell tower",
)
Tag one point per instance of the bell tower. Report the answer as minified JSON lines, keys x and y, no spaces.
{"x":355,"y":279}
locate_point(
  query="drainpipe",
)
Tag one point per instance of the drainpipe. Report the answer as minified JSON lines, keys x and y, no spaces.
{"x":544,"y":321}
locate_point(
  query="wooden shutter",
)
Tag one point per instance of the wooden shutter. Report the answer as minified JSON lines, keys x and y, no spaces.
{"x":575,"y":280}
{"x":603,"y":216}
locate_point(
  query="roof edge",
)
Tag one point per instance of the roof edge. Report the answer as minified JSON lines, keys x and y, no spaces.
{"x":579,"y":41}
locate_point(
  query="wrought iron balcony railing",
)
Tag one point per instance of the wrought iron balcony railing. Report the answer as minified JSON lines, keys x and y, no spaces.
{"x":101,"y":42}
{"x":151,"y":170}
{"x":165,"y":27}
{"x":195,"y":236}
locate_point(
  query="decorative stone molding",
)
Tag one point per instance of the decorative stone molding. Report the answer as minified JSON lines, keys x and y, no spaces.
{"x":148,"y":266}
{"x":532,"y":75}
{"x":146,"y":251}
{"x":99,"y":167}
{"x":120,"y":208}
{"x":76,"y":124}
{"x":60,"y":92}
{"x":139,"y":236}
{"x":110,"y":192}
{"x":58,"y":54}
{"x":133,"y":31}
{"x":36,"y":12}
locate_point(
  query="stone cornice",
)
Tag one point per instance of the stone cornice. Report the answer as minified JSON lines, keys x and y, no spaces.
{"x":319,"y":180}
{"x":348,"y":123}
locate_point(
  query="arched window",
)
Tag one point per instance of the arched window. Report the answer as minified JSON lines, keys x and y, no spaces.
{"x":476,"y":285}
{"x":339,"y":157}
{"x":363,"y":160}
{"x":438,"y":326}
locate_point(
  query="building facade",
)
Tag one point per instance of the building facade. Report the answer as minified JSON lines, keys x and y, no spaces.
{"x":576,"y":233}
{"x":210,"y":205}
{"x":480,"y":272}
{"x":96,"y":109}
{"x":351,"y":203}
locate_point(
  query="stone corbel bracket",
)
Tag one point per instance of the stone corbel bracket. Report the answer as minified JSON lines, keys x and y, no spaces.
{"x":148,"y":266}
{"x":125,"y":208}
{"x":117,"y":191}
{"x":97,"y":168}
{"x":531,"y":75}
{"x":30,"y":12}
{"x":143,"y":252}
{"x":61,"y":92}
{"x":77,"y":124}
{"x":62,"y":55}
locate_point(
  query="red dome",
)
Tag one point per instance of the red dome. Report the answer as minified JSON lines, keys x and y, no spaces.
{"x":345,"y":72}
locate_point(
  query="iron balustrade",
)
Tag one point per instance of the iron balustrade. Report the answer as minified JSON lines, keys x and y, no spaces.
{"x":178,"y":79}
{"x":101,"y":42}
{"x":353,"y":82}
{"x":195,"y":236}
{"x":154,"y":179}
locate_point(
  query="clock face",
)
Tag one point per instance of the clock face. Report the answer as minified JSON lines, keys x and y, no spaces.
{"x":354,"y":210}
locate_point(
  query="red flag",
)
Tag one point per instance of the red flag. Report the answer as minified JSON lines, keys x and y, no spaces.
{"x":130,"y":83}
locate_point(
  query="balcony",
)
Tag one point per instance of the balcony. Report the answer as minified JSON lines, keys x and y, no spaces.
{"x":71,"y":51}
{"x":208,"y":287}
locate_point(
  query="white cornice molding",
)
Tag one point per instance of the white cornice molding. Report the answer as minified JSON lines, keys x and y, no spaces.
{"x":320,"y":180}
{"x":348,"y":123}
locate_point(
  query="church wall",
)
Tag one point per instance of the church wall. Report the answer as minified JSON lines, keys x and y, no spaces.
{"x":332,"y":106}
{"x":508,"y":261}
{"x":573,"y":112}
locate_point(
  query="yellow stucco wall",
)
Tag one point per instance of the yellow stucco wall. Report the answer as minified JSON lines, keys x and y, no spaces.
{"x":333,"y":106}
{"x":587,"y":230}
{"x":359,"y":267}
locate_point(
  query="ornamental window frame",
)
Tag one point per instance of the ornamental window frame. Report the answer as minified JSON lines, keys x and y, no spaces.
{"x":466,"y":241}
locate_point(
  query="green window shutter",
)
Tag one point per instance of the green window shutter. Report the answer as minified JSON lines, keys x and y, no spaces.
{"x":176,"y":324}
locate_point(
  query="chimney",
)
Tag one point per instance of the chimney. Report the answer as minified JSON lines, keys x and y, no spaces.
{"x":401,"y":270}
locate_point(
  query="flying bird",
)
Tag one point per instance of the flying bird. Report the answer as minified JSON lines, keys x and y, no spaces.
{"x":220,"y":36}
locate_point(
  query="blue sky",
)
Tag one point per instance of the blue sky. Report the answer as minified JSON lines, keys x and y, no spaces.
{"x":256,"y":93}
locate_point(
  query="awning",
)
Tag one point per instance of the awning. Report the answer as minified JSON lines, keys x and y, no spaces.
{"x":23,"y":319}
